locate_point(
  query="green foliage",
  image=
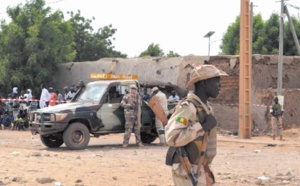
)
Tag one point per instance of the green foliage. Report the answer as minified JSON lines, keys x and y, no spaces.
{"x":172,"y":54}
{"x":271,"y":39}
{"x":153,"y":50}
{"x":32,"y":45}
{"x":265,"y":36}
{"x":289,"y":47}
{"x":231,"y":42}
{"x":258,"y":35}
{"x":92,"y":46}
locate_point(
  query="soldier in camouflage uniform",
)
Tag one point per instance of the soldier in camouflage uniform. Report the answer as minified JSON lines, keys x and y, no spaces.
{"x":277,"y":113}
{"x":131,"y":103}
{"x":193,"y":126}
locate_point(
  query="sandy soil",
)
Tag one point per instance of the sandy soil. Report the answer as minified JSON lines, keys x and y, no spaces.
{"x":256,"y":161}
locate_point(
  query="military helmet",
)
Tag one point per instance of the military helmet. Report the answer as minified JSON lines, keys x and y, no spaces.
{"x":203,"y":72}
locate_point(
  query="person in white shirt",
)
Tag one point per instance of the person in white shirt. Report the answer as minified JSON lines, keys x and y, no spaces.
{"x":162,"y":98}
{"x":45,"y":96}
{"x":28,"y":94}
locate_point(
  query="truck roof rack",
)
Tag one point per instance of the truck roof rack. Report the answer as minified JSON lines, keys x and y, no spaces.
{"x":101,"y":76}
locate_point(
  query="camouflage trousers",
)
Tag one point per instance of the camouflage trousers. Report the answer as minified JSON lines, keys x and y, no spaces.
{"x":277,"y":121}
{"x":181,"y":178}
{"x":132,"y":125}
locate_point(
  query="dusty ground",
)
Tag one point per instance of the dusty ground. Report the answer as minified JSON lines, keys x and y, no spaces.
{"x":257,"y":161}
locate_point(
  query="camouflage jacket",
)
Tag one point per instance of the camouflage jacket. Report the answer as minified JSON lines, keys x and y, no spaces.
{"x":276,"y":110}
{"x":132,"y":106}
{"x":184,"y":129}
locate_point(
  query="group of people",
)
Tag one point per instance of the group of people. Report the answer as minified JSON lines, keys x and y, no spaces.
{"x":131,"y":103}
{"x":173,"y":97}
{"x":49,"y":97}
{"x":15,"y":108}
{"x":191,"y":130}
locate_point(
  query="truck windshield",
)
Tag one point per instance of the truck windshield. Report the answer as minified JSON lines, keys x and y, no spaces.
{"x":92,"y":93}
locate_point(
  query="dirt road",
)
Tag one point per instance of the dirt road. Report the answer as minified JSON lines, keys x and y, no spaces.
{"x":257,"y":161}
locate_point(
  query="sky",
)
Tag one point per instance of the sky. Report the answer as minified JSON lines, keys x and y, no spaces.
{"x":175,"y":25}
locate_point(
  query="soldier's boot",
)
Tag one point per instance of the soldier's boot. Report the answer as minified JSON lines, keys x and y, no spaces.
{"x":140,"y":144}
{"x":281,"y":138}
{"x":273,"y":137}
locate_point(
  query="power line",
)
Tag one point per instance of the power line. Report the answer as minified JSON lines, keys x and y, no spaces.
{"x":296,"y":7}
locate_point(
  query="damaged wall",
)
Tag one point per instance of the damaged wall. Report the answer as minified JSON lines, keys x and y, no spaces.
{"x":174,"y":72}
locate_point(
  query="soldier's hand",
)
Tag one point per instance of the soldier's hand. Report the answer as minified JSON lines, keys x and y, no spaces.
{"x":209,"y":122}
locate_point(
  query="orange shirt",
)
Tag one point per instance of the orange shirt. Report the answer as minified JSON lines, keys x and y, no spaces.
{"x":53,"y":98}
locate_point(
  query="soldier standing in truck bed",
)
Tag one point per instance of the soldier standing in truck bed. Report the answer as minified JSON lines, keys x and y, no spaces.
{"x":192,"y":129}
{"x":132,"y":103}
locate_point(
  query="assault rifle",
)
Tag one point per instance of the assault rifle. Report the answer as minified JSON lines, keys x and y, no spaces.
{"x":276,"y":113}
{"x":184,"y":160}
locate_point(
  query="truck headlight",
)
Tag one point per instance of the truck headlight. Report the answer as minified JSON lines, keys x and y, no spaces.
{"x":58,"y":117}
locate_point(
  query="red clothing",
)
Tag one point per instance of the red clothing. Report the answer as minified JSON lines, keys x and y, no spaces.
{"x":53,"y":98}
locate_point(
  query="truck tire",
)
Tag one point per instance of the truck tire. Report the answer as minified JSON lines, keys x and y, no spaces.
{"x":76,"y":136}
{"x":51,"y":141}
{"x":147,"y":138}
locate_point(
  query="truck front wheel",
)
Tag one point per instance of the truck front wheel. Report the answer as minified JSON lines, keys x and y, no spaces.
{"x":148,"y":137}
{"x":76,"y":136}
{"x":51,"y":141}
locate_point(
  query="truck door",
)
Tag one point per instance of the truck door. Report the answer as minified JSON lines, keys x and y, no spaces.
{"x":111,"y":113}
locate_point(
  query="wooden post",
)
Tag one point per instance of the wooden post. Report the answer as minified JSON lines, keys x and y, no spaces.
{"x":245,"y":121}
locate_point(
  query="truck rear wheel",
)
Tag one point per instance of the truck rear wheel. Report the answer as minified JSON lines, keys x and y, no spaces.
{"x":147,"y":137}
{"x":76,"y":136}
{"x":51,"y":141}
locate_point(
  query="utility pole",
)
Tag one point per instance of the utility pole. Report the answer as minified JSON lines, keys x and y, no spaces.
{"x":280,"y":56}
{"x":292,"y":29}
{"x":245,"y":72}
{"x":208,"y":35}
